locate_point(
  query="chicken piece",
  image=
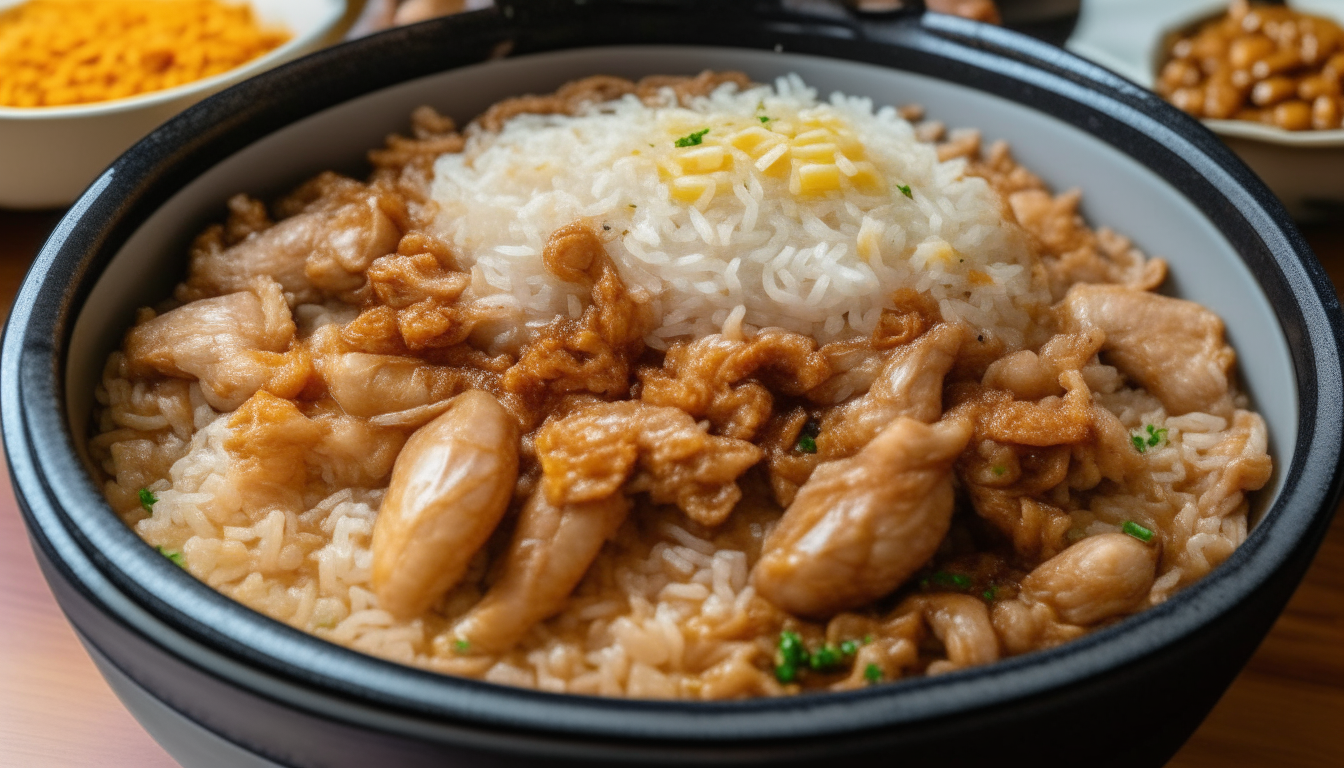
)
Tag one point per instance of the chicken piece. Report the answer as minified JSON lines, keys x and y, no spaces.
{"x":594,"y":353}
{"x":1031,"y":376}
{"x":551,"y":550}
{"x":352,"y":453}
{"x":1050,"y":421}
{"x":234,"y":345}
{"x":589,"y":454}
{"x":707,"y":378}
{"x":1171,"y":347}
{"x":374,"y":385}
{"x":1095,"y":579}
{"x":267,"y":443}
{"x":910,"y":386}
{"x":326,"y":248}
{"x":788,"y":467}
{"x":962,"y":624}
{"x":861,"y":526}
{"x":450,"y":487}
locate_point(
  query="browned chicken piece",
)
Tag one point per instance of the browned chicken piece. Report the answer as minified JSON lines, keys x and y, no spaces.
{"x":1031,"y":376}
{"x":325,"y":249}
{"x":551,"y":550}
{"x":591,"y":453}
{"x":909,"y":386}
{"x":353,"y":453}
{"x":234,"y":345}
{"x":1095,"y":579}
{"x":787,"y":467}
{"x":962,"y":624}
{"x":592,"y":354}
{"x":268,"y":441}
{"x":450,"y":487}
{"x":375,"y":385}
{"x":1037,"y":529}
{"x":729,"y":381}
{"x":1171,"y":347}
{"x":1052,"y":420}
{"x":861,"y":526}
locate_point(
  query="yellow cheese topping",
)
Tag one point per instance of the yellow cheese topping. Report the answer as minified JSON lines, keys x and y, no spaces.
{"x":61,"y":52}
{"x":815,"y":150}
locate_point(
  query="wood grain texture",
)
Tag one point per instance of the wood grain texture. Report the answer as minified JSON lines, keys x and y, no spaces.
{"x":1285,"y":710}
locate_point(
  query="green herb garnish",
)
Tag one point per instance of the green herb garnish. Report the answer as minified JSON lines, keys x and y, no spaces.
{"x":461,"y":645}
{"x":872,"y":673}
{"x":1137,"y":531}
{"x":999,"y":470}
{"x":765,"y":119}
{"x":849,"y":647}
{"x":792,"y":655}
{"x":945,"y":579}
{"x":1151,"y":437}
{"x":173,"y":555}
{"x":807,"y":438}
{"x":905,"y":190}
{"x":990,"y":594}
{"x":147,"y":499}
{"x":826,"y":658}
{"x":867,"y":639}
{"x":692,"y":139}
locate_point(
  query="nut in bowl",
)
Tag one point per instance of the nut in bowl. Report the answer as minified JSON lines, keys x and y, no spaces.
{"x":64,"y":117}
{"x":1265,"y":79}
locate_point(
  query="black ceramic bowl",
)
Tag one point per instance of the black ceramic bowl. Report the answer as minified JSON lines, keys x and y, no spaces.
{"x":219,"y":684}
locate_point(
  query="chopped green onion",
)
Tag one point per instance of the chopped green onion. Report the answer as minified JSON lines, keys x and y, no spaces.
{"x":461,"y":645}
{"x":147,"y":499}
{"x":945,"y":579}
{"x":807,"y":437}
{"x":173,"y":555}
{"x":1150,"y":437}
{"x":1156,"y":436}
{"x":990,"y":594}
{"x":1000,"y":470}
{"x":826,"y":658}
{"x":1137,"y":531}
{"x":867,"y":639}
{"x":1138,"y":442}
{"x":765,"y":119}
{"x":872,"y":673}
{"x":849,"y":648}
{"x":905,"y":190}
{"x":792,"y":655}
{"x":692,"y":139}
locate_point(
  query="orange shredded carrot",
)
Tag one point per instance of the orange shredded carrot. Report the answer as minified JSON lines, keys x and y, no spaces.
{"x":61,"y":52}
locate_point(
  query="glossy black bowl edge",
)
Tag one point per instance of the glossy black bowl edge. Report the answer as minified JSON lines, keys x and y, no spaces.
{"x":217,"y":137}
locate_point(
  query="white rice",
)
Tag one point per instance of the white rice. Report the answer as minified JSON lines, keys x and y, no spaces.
{"x":748,"y":247}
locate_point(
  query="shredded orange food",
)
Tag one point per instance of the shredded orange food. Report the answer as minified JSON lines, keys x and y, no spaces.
{"x":61,"y":52}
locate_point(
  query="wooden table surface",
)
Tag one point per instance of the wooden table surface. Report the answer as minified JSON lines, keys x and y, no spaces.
{"x":1286,"y":709}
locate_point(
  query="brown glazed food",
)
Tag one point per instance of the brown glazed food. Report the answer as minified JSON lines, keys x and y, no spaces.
{"x":1266,"y":64}
{"x":338,"y":421}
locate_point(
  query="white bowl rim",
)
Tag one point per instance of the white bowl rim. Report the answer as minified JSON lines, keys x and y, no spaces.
{"x":334,"y":12}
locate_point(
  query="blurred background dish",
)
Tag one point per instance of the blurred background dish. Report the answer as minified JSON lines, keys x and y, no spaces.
{"x":1305,"y":168}
{"x":51,"y":153}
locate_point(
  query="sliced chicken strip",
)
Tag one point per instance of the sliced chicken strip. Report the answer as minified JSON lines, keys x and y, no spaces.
{"x":551,"y":551}
{"x":450,"y":486}
{"x":861,"y":526}
{"x":910,"y":385}
{"x":1173,"y":348}
{"x":232,"y":344}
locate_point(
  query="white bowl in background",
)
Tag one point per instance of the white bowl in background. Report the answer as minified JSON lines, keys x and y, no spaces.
{"x":48,"y":155}
{"x":1304,"y":168}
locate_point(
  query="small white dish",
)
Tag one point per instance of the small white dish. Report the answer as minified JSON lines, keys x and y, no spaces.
{"x":48,"y":155}
{"x":1304,"y":168}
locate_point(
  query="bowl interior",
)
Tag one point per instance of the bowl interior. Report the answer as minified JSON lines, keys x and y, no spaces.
{"x":1119,"y":192}
{"x":308,"y":21}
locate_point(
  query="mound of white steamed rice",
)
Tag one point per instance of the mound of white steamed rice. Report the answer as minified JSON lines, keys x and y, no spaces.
{"x":776,"y":210}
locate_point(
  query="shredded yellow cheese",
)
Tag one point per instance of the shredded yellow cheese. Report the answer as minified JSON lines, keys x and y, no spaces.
{"x":61,"y":52}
